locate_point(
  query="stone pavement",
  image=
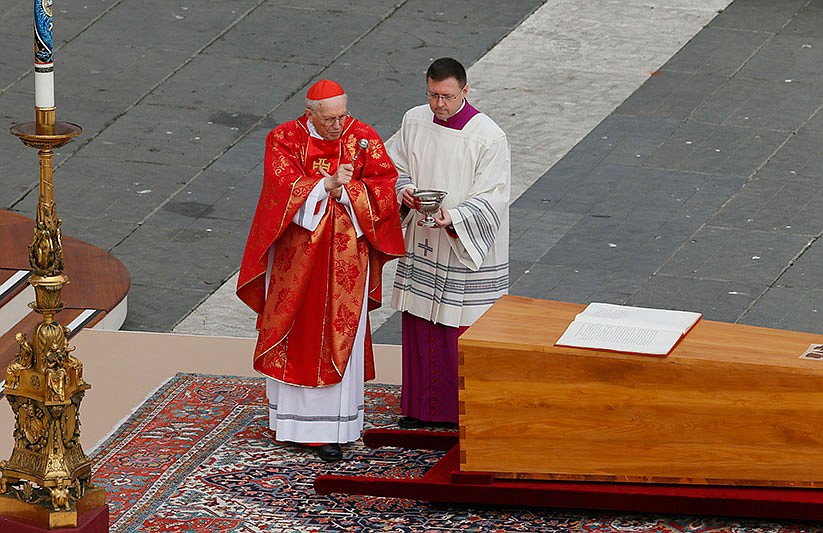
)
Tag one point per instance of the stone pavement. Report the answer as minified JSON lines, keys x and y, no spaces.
{"x":645,"y":173}
{"x":176,"y":99}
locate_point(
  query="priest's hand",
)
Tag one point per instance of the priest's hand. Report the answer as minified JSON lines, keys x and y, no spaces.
{"x":344,"y":173}
{"x":443,"y":219}
{"x":408,"y":197}
{"x":334,"y":183}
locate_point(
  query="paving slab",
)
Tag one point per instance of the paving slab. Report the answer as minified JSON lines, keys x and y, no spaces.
{"x":721,"y":300}
{"x":797,"y":309}
{"x":768,"y":203}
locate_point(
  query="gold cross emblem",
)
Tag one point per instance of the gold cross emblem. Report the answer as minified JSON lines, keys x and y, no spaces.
{"x":323,"y":163}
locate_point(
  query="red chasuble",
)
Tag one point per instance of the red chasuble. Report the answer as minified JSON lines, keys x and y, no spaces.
{"x":308,"y":315}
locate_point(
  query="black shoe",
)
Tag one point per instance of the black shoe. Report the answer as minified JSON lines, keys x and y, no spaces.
{"x":407,"y":422}
{"x":328,"y":452}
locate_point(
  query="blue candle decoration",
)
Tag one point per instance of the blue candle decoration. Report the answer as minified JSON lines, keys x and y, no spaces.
{"x":43,"y":41}
{"x":43,"y":55}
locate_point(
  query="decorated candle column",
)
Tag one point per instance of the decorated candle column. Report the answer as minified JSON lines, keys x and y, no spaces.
{"x":43,"y":55}
{"x":47,"y":480}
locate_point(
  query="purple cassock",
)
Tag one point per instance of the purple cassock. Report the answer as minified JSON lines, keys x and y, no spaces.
{"x":429,"y":370}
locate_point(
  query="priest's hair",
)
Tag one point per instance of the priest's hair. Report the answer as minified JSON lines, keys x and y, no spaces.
{"x":445,"y":68}
{"x":312,"y":105}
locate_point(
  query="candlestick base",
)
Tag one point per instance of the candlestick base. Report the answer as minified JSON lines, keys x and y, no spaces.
{"x":42,"y":515}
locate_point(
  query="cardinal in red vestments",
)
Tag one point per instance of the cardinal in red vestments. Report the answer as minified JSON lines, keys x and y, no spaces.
{"x":326,"y":222}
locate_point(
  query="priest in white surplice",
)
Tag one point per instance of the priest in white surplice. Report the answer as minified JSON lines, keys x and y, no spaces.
{"x":455,"y":271}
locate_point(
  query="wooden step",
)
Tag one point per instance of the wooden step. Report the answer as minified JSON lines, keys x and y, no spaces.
{"x":12,"y":283}
{"x":15,"y":295}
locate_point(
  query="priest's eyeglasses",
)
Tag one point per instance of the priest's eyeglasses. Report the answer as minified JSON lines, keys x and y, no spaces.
{"x":446,"y":97}
{"x":328,"y":122}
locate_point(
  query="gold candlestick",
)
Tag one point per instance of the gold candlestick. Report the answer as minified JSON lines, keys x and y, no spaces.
{"x":47,"y":480}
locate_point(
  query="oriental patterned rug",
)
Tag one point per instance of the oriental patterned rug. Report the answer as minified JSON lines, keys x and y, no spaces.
{"x":198,"y":456}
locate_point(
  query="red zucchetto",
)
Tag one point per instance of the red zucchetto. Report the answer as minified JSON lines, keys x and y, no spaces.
{"x":324,"y":89}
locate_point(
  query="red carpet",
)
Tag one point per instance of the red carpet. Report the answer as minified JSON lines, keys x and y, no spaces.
{"x":197,"y":456}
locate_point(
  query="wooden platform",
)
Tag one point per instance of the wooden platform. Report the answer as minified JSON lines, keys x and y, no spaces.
{"x":96,"y":294}
{"x":446,"y":483}
{"x":731,"y":405}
